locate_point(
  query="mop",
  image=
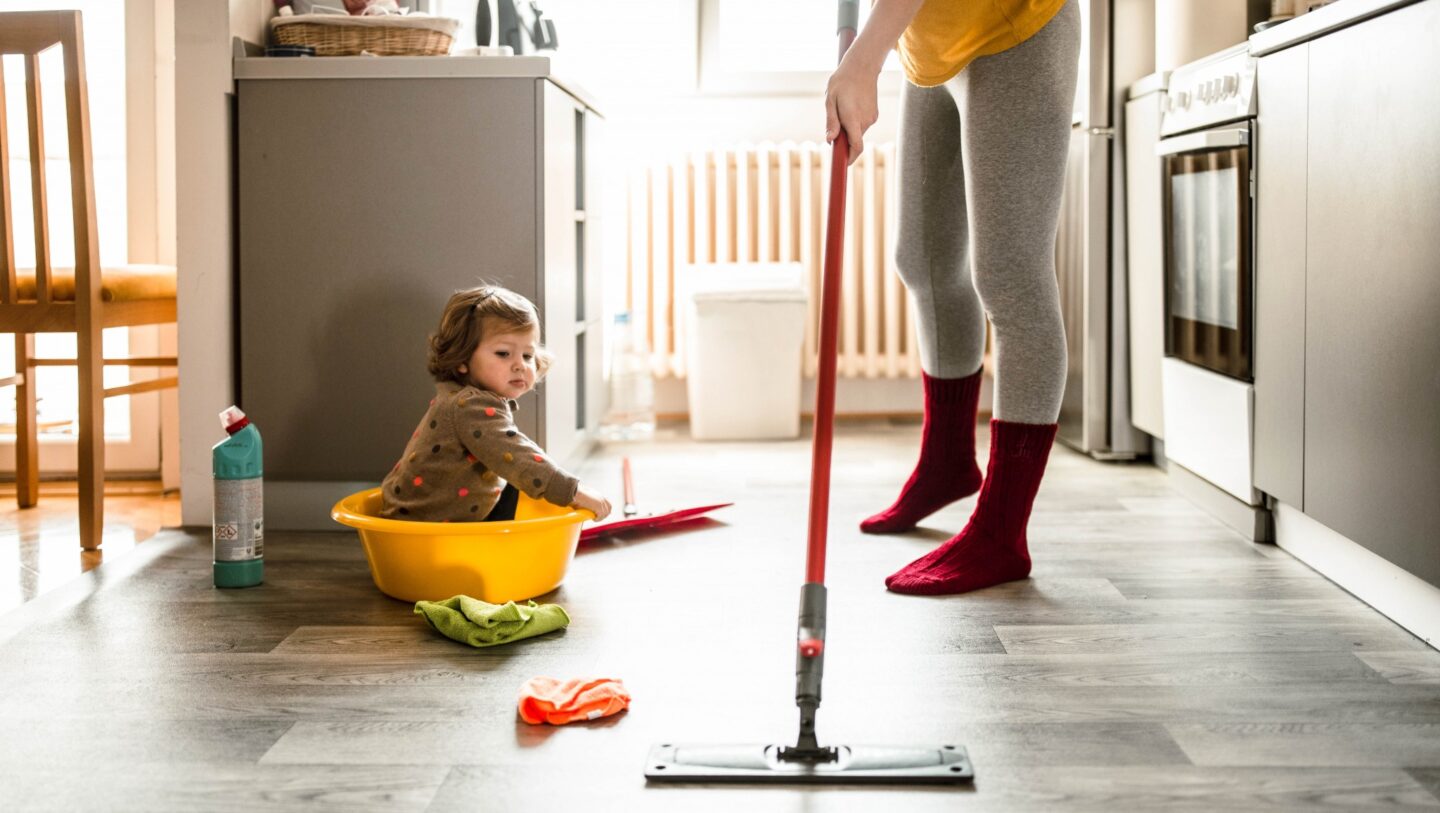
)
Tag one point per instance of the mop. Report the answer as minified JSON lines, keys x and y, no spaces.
{"x":807,"y":761}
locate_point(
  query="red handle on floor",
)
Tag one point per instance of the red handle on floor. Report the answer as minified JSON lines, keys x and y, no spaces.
{"x":829,"y":328}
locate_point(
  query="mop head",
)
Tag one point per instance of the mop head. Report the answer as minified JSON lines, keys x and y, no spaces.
{"x":857,"y":764}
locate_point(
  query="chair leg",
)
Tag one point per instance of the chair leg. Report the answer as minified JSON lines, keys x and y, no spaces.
{"x":27,"y":441}
{"x":91,"y":392}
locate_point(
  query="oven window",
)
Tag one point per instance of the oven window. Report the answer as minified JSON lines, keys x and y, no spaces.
{"x":1207,"y":271}
{"x":1204,"y":287}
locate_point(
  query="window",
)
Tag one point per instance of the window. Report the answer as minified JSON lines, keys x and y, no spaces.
{"x":768,"y":47}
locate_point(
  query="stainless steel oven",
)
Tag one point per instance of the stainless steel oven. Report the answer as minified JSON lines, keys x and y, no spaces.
{"x":1209,"y":256}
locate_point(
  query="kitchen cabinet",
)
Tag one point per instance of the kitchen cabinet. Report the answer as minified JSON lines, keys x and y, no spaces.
{"x":1281,"y":164}
{"x":1145,"y":254}
{"x":369,"y":191}
{"x":1347,"y":376}
{"x":1372,"y":336}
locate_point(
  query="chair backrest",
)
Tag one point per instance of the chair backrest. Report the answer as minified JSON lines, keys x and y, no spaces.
{"x":28,"y":33}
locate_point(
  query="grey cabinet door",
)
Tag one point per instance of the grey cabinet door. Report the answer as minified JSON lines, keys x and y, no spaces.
{"x":363,"y":204}
{"x":1281,"y":161}
{"x":1372,"y":361}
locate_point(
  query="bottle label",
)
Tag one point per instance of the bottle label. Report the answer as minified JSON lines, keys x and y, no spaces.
{"x":239,"y":520}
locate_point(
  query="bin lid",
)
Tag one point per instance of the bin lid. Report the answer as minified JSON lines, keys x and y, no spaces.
{"x":745,"y":282}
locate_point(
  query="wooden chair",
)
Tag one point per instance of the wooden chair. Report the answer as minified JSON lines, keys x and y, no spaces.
{"x":83,"y":300}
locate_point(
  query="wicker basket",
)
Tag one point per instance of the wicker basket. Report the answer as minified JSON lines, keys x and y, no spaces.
{"x":336,"y":35}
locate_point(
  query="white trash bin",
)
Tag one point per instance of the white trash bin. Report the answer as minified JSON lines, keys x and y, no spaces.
{"x":744,"y":339}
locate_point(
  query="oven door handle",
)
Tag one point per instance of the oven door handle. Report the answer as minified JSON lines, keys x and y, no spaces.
{"x":1200,"y":142}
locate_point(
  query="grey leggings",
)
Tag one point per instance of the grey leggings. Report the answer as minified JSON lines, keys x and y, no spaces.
{"x":982,"y":164}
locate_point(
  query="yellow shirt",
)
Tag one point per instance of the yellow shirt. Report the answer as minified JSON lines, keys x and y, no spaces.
{"x":947,"y":35}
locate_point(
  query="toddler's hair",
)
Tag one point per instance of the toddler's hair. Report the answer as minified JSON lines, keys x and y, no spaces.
{"x":463,"y":323}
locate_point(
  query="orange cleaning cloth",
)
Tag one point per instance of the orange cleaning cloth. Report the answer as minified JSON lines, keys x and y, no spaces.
{"x":547,"y":700}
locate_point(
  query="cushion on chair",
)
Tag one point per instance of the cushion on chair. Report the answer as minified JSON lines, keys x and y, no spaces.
{"x":118,"y":283}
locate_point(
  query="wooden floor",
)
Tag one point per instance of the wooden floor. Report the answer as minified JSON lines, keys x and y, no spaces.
{"x":40,"y":546}
{"x":1155,"y":661}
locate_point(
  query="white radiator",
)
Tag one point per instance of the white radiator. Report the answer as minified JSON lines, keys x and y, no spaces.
{"x":767,"y":203}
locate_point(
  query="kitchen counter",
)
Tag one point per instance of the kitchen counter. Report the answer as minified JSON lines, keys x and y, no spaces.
{"x":406,"y":67}
{"x":1319,"y":22}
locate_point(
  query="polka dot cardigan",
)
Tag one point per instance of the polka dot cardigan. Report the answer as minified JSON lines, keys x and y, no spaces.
{"x":462,"y":454}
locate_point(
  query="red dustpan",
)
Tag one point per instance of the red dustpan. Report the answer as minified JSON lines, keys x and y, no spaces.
{"x":631,"y":519}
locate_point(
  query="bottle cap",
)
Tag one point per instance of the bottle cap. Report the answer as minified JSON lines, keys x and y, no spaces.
{"x":233,"y":419}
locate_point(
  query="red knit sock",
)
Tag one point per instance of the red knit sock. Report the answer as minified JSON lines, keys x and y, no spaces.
{"x":946,"y":471}
{"x":992,"y":547}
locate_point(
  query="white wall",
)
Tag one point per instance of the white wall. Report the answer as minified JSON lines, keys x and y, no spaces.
{"x":150,"y":189}
{"x":203,"y":92}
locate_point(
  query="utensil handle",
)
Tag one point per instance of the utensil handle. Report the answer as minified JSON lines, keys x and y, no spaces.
{"x":628,"y":479}
{"x":829,"y":318}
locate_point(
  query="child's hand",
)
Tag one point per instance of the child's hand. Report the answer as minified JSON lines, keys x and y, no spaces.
{"x":592,"y":502}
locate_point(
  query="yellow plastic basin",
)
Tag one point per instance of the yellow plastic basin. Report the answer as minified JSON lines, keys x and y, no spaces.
{"x":492,"y":561}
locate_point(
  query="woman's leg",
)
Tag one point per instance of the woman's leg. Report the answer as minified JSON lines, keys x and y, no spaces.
{"x":1015,"y":112}
{"x":933,"y":260}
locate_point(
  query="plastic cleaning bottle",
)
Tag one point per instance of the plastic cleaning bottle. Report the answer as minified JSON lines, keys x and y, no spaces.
{"x":632,"y":390}
{"x":239,"y":518}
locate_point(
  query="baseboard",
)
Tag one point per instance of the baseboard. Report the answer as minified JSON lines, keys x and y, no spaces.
{"x":305,"y":506}
{"x":1399,"y":595}
{"x":1250,"y":521}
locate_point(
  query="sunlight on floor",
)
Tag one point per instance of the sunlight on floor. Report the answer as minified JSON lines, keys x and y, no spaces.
{"x":40,"y":546}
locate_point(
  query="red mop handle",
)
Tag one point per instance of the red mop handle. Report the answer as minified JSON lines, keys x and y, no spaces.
{"x":829,"y":328}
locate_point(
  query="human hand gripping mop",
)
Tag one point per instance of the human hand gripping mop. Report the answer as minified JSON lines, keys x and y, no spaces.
{"x":808,"y":762}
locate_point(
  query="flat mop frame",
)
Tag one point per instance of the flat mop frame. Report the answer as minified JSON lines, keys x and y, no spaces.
{"x":807,"y":761}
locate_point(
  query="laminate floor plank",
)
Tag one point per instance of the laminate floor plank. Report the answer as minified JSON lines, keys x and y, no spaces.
{"x":1317,"y":613}
{"x":1089,"y":789}
{"x":140,"y":741}
{"x":1429,"y":778}
{"x":1412,"y":666}
{"x":1204,"y":669}
{"x":1341,"y":745}
{"x":185,"y":787}
{"x":1259,"y":587}
{"x":1140,"y":639}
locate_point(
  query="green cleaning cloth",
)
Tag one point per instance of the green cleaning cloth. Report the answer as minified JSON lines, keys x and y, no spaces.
{"x":478,"y":623}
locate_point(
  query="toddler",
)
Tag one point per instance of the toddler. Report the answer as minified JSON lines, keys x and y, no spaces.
{"x":466,"y":460}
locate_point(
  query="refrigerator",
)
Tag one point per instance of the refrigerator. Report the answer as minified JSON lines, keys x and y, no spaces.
{"x":1090,"y":243}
